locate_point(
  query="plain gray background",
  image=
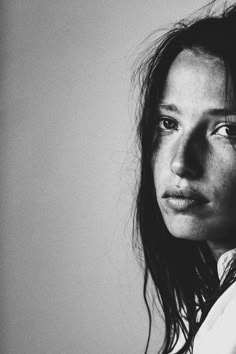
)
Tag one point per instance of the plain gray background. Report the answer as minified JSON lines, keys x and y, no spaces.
{"x":69,"y":281}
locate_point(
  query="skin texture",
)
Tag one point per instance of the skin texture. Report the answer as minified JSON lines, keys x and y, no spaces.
{"x":197,"y":151}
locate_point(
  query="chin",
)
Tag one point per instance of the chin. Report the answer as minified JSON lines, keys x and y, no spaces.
{"x":187,"y":228}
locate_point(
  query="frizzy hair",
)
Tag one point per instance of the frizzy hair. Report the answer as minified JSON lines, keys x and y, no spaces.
{"x":184,"y":273}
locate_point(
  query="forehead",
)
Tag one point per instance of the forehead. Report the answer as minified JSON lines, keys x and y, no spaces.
{"x":196,"y":80}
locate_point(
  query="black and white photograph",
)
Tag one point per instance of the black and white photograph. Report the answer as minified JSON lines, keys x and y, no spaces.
{"x":118,"y":177}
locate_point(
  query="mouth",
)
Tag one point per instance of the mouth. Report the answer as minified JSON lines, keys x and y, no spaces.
{"x":184,"y":199}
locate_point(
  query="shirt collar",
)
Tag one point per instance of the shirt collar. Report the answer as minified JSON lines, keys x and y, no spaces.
{"x":224,"y":262}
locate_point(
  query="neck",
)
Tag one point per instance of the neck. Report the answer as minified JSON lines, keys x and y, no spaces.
{"x":218,"y":249}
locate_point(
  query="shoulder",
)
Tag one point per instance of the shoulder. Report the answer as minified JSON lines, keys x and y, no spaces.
{"x":217,"y":333}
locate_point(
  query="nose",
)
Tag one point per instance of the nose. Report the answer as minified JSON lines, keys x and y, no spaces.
{"x":187,"y":158}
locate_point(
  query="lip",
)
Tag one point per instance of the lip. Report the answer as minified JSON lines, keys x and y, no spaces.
{"x":184,"y":199}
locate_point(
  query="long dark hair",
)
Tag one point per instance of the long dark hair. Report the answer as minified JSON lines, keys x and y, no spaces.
{"x":184,"y":273}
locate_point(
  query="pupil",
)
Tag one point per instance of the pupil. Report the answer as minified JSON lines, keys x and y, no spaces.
{"x":168,"y":124}
{"x":231,"y":130}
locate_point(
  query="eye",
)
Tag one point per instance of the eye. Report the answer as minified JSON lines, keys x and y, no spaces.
{"x":166,"y":123}
{"x":229,"y":131}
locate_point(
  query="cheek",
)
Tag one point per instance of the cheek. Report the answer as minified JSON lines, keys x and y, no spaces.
{"x":225,"y":189}
{"x":158,"y":171}
{"x":221,"y":176}
{"x":161,"y":167}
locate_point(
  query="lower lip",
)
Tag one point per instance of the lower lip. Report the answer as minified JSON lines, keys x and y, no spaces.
{"x":183,"y":204}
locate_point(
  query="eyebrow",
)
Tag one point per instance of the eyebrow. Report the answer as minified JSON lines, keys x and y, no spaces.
{"x":221,"y":112}
{"x":211,"y":111}
{"x":169,"y":107}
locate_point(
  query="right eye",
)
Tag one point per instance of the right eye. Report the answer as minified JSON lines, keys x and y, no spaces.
{"x":167,"y":124}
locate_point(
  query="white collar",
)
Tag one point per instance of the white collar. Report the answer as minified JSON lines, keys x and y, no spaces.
{"x":224,"y":262}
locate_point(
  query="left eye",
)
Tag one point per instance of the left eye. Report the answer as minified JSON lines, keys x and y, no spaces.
{"x":166,"y":123}
{"x":228,"y":131}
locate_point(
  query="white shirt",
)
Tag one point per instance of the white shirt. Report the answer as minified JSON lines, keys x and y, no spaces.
{"x":217,"y":334}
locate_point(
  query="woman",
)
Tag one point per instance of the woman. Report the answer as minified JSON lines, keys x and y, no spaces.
{"x":186,"y":202}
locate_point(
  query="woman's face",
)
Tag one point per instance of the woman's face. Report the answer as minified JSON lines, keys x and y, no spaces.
{"x":195,"y":162}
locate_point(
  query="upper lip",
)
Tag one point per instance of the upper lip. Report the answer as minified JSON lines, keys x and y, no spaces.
{"x":188,"y":193}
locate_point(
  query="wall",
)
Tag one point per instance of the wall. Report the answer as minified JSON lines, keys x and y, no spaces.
{"x":69,"y":280}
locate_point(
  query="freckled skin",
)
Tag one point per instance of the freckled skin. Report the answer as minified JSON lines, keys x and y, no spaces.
{"x":197,"y":153}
